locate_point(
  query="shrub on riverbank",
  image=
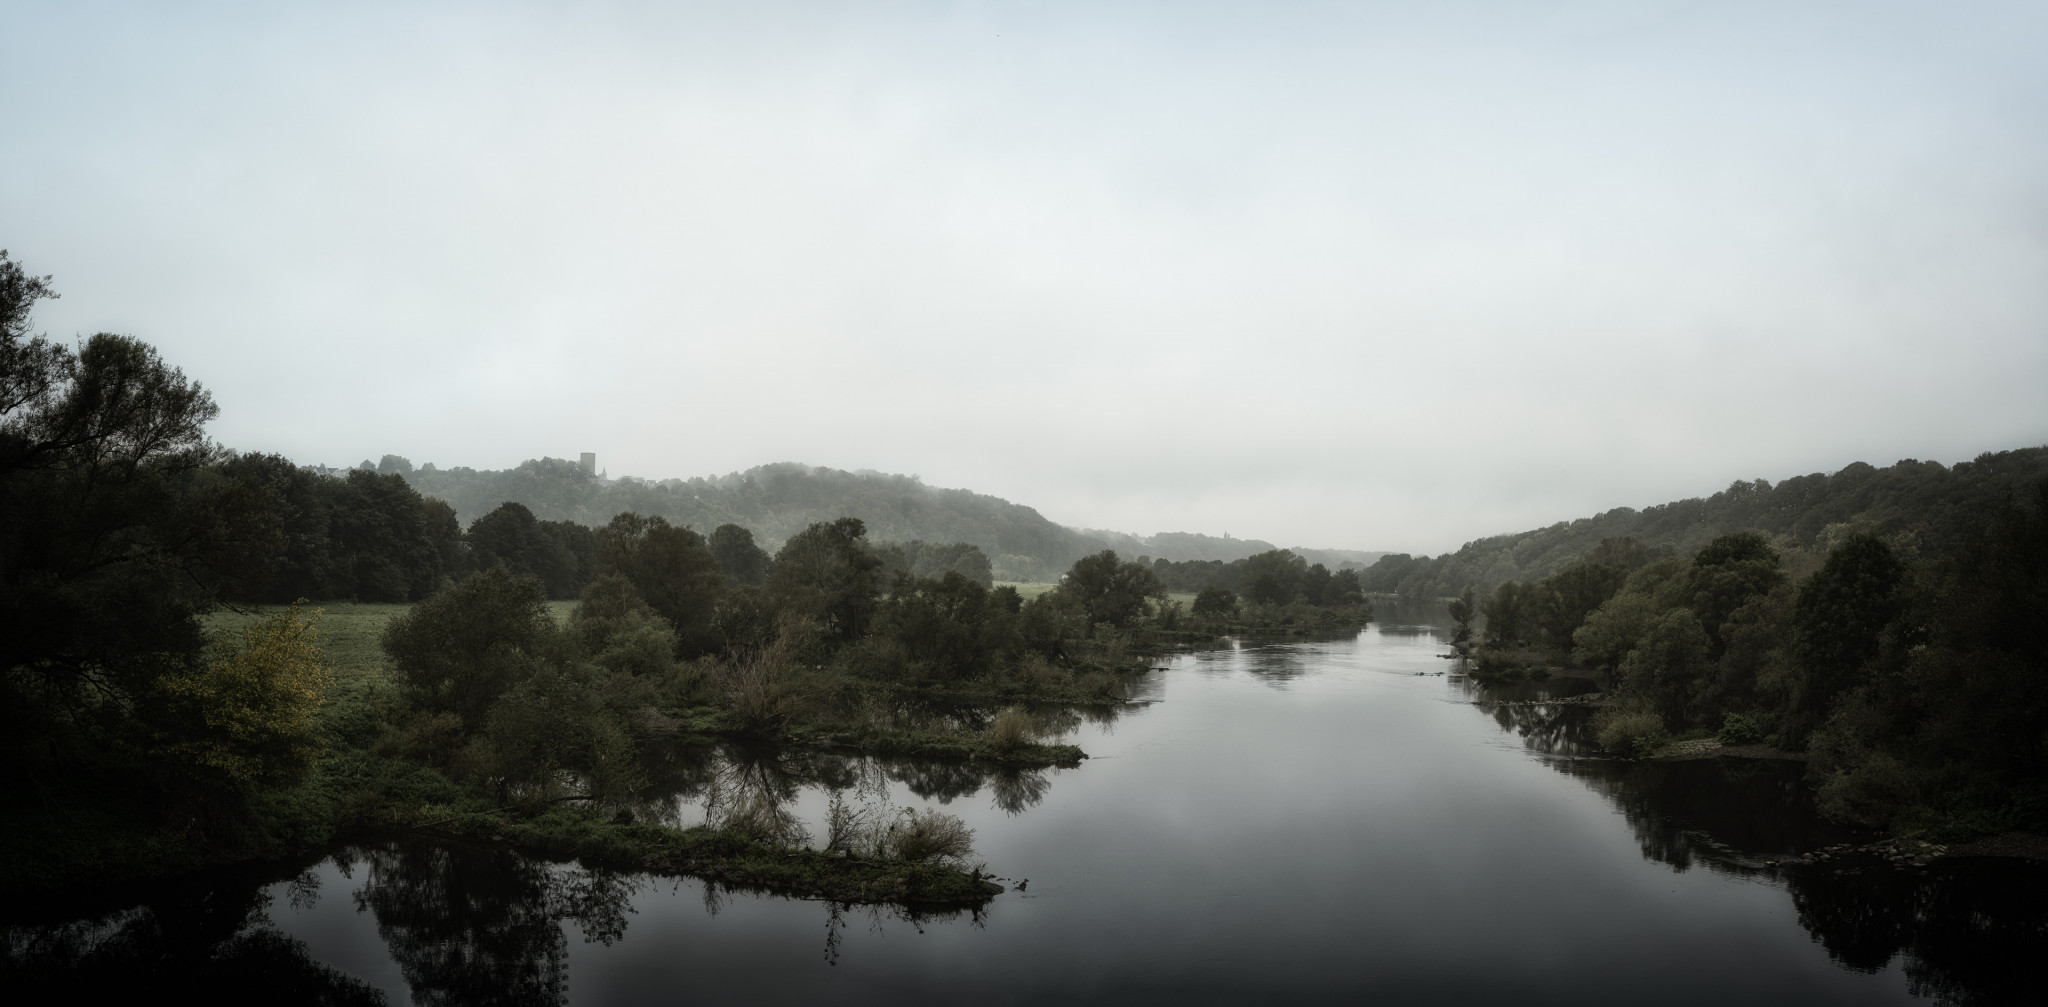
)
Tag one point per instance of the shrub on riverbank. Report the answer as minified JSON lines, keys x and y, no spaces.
{"x":1633,"y":733}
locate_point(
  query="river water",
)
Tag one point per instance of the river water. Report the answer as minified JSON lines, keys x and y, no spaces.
{"x":1287,"y":823}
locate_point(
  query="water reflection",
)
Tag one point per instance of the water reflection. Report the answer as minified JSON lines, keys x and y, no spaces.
{"x":1969,"y":931}
{"x":212,"y":934}
{"x":695,"y":782}
{"x":1534,"y":712}
{"x":480,"y":924}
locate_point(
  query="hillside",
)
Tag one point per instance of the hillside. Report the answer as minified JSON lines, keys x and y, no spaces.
{"x":774,"y":502}
{"x":1180,"y":546}
{"x":1923,"y":508}
{"x":779,"y":500}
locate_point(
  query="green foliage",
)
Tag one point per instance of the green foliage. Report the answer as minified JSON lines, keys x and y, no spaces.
{"x":247,"y":714}
{"x":1273,"y":578}
{"x":565,"y":719}
{"x":1215,"y":603}
{"x":1110,"y":590}
{"x":1636,"y":733}
{"x":1559,"y":604}
{"x":1725,"y":575}
{"x":559,"y":554}
{"x":743,"y":562}
{"x":1509,"y":618}
{"x":948,"y":628}
{"x":826,"y":575}
{"x":1933,"y":505}
{"x":1611,"y":630}
{"x":673,"y":572}
{"x":1668,"y":667}
{"x":617,"y":630}
{"x":1740,"y":729}
{"x":1497,"y":664}
{"x":1462,"y":609}
{"x":1842,"y":611}
{"x":460,"y":650}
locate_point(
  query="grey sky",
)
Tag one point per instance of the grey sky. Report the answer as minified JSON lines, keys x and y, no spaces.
{"x":1346,"y":275}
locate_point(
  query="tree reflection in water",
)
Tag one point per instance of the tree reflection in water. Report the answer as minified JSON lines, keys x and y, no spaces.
{"x":483,"y":925}
{"x":1970,"y":931}
{"x":211,"y":935}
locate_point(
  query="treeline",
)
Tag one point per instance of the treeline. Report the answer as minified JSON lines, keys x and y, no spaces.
{"x":1274,"y":577}
{"x":1924,"y":508}
{"x":775,"y":501}
{"x":1916,"y":677}
{"x":369,"y":536}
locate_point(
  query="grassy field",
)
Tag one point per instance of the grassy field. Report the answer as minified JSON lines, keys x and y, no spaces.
{"x":1028,"y":590}
{"x":350,"y":632}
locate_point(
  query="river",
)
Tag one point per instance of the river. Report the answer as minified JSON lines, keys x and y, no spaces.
{"x":1300,"y":822}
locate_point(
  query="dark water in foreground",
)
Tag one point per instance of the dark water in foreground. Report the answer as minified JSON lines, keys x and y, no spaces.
{"x":1307,"y":822}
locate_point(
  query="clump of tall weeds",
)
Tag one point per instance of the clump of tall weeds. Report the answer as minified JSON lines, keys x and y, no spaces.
{"x":911,"y":834}
{"x":1012,"y":729}
{"x":920,"y":836}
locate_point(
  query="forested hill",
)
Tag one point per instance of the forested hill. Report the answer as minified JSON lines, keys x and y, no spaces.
{"x":1920,"y":507}
{"x":777,"y":501}
{"x":1181,"y":546}
{"x":774,"y":502}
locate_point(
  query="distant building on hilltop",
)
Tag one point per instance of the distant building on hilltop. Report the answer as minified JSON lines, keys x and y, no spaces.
{"x":590,"y":463}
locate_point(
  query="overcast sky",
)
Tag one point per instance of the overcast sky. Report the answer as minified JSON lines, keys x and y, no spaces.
{"x":1359,"y":275}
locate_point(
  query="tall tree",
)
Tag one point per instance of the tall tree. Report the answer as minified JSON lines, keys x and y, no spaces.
{"x":743,"y":561}
{"x":1110,"y":590}
{"x":1842,"y":611}
{"x":827,"y":574}
{"x":671,"y":569}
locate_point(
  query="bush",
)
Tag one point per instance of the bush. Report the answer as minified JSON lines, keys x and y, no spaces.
{"x":461,"y":649}
{"x":248,"y":713}
{"x":1034,"y":673}
{"x":1103,"y":684}
{"x":1629,"y":732}
{"x":1740,"y":729}
{"x":919,"y":836}
{"x":1872,"y":791}
{"x":1493,"y":663}
{"x":1012,"y":729}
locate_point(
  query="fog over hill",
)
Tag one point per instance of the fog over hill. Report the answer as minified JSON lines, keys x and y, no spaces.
{"x":777,"y":501}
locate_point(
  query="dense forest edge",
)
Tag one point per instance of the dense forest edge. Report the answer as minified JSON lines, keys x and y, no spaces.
{"x":1903,"y":652}
{"x":171,"y":703}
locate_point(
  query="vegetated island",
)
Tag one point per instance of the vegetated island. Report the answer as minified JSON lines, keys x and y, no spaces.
{"x":172,"y":704}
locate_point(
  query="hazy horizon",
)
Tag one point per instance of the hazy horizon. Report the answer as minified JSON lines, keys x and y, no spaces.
{"x":1339,"y":276}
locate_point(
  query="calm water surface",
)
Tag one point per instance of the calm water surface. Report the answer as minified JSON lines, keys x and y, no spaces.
{"x":1293,"y":823}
